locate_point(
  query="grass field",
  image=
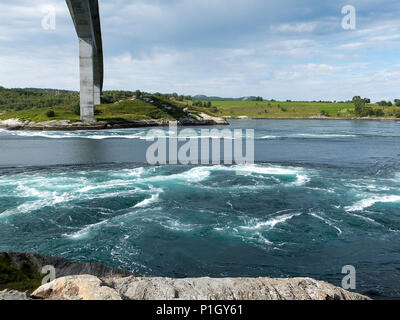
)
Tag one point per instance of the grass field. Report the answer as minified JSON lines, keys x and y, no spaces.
{"x":128,"y":110}
{"x":277,"y":109}
{"x":161,"y":108}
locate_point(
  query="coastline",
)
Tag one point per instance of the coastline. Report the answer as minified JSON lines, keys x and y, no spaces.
{"x":91,"y":281}
{"x":318,"y":118}
{"x":66,"y":125}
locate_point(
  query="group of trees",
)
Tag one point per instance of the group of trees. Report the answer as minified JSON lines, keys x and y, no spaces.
{"x":361,"y":109}
{"x":21,"y":99}
{"x":173,"y":96}
{"x":384,"y":103}
{"x":204,"y":104}
{"x":116,"y":95}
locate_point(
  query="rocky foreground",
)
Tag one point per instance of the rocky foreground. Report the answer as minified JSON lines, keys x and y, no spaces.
{"x":91,"y":281}
{"x":87,"y":287}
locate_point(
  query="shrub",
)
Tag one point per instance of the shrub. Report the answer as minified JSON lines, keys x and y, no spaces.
{"x":77,"y":109}
{"x":379,"y":113}
{"x":324,"y":113}
{"x":50,"y":113}
{"x":398,"y":114}
{"x":367,"y":111}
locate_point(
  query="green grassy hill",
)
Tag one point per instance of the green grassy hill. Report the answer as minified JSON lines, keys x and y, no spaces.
{"x":35,"y":104}
{"x":293,"y":109}
{"x":277,"y":109}
{"x":257,"y":107}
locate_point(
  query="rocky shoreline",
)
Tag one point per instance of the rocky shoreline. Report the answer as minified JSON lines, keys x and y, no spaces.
{"x":199,"y":120}
{"x":91,"y":281}
{"x":66,"y":125}
{"x":314,"y":118}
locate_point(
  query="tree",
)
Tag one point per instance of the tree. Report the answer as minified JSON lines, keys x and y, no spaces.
{"x":138,"y":94}
{"x":359,"y":105}
{"x":382,"y":103}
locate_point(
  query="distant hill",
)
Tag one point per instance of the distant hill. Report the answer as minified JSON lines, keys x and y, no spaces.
{"x":213,"y":98}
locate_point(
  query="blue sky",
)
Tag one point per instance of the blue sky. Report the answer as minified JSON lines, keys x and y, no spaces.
{"x":281,"y":49}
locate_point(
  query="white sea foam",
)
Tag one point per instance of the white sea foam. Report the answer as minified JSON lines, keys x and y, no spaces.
{"x":271,"y":223}
{"x":266,"y":137}
{"x":301,"y":177}
{"x":146,"y":202}
{"x":324,"y":136}
{"x":196,"y":174}
{"x":109,"y":134}
{"x":322,"y":189}
{"x":262,"y":239}
{"x":369,"y":202}
{"x":177,"y":226}
{"x":99,"y":135}
{"x":50,"y":200}
{"x":85,"y":232}
{"x":266,"y":170}
{"x":327,"y":221}
{"x":364,"y":218}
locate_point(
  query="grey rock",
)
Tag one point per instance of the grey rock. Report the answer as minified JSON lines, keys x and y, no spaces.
{"x":66,"y":125}
{"x":90,"y":281}
{"x":132,"y":288}
{"x":14,"y":295}
{"x":62,"y":266}
{"x":84,"y":287}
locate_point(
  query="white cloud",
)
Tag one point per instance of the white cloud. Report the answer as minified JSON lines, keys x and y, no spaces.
{"x":287,"y":50}
{"x":295,"y":27}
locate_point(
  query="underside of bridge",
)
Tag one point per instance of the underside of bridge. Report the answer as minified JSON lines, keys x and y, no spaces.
{"x":86,"y":17}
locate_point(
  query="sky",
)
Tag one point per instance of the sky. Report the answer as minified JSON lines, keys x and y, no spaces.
{"x":277,"y":49}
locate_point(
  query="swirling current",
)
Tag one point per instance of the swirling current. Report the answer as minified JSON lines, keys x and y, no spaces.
{"x":321,"y":195}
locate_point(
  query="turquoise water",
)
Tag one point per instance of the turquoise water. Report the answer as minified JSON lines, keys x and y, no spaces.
{"x":321,"y":195}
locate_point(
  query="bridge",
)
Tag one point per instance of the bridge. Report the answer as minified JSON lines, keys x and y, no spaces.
{"x":86,"y":17}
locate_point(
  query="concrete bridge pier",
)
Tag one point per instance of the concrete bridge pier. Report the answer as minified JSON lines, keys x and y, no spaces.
{"x":86,"y":65}
{"x":86,"y":18}
{"x":97,"y":79}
